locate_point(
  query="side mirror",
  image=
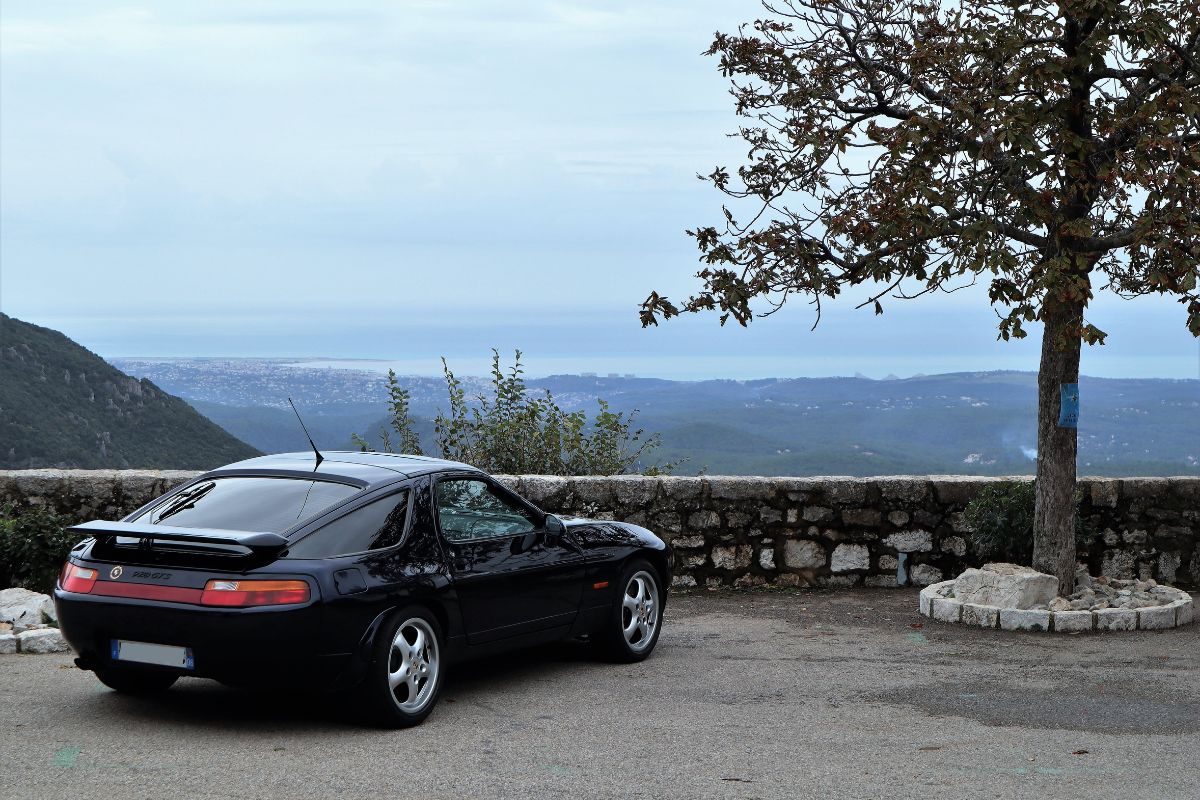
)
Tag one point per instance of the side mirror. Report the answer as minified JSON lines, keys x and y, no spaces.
{"x":554,"y":528}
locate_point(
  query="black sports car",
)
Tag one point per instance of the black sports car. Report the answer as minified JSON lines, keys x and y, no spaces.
{"x":368,"y":572}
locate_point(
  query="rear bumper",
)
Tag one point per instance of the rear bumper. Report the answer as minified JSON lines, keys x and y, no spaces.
{"x":277,"y":646}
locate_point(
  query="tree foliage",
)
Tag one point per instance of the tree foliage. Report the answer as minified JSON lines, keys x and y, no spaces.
{"x":1001,"y":522}
{"x":514,"y":432}
{"x":34,"y":543}
{"x":920,"y":146}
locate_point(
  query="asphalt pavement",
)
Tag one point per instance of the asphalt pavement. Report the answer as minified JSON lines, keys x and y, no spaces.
{"x":846,"y":694}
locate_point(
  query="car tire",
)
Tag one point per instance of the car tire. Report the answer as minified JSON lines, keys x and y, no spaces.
{"x":405,"y":675}
{"x":635,"y":620}
{"x":127,"y":681}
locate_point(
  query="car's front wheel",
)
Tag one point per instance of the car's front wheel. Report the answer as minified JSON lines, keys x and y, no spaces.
{"x":404,"y":678}
{"x":633,"y":624}
{"x":127,"y":681}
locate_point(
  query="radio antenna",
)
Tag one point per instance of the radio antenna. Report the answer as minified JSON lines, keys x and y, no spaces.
{"x":320,"y":457}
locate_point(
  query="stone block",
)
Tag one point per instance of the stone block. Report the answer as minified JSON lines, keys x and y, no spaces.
{"x":732,"y":557}
{"x":1173,"y":532}
{"x":688,"y":541}
{"x":1144,"y":488}
{"x":736,"y":519}
{"x":681,"y":488}
{"x":766,"y":558}
{"x":1135,"y":537}
{"x":925,"y":574}
{"x":958,"y":522}
{"x":1168,"y":565}
{"x":1157,"y":618}
{"x":866,"y":517}
{"x":682,"y":582}
{"x":8,"y":643}
{"x":669,"y":522}
{"x":738,"y":488}
{"x":703,"y":520}
{"x":1185,"y":612}
{"x":1006,"y":586}
{"x":817,"y":514}
{"x":914,"y":541}
{"x":43,"y":640}
{"x":1118,"y":564}
{"x":889,"y":562}
{"x":880,"y":581}
{"x":592,"y":490}
{"x":898,"y":518}
{"x":1105,"y":492}
{"x":637,"y":491}
{"x":945,"y":610}
{"x":925,"y":519}
{"x":1116,"y":619}
{"x":24,"y":608}
{"x":957,"y":490}
{"x":769,"y":515}
{"x":928,"y":595}
{"x":955,"y":545}
{"x":980,"y":616}
{"x":848,"y":557}
{"x":1073,"y":621}
{"x":1021,"y":619}
{"x":803,"y":554}
{"x":749,"y":579}
{"x":846,"y":490}
{"x":903,"y":487}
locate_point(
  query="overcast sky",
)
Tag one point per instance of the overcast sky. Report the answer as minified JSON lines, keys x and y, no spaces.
{"x":408,"y":180}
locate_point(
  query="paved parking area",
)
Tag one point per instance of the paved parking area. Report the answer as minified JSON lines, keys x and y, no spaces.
{"x":749,"y":695}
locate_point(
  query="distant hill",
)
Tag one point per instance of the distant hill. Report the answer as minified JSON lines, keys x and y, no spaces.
{"x":971,"y":423}
{"x":63,"y":406}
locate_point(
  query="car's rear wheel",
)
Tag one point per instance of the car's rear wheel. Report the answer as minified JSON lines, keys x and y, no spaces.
{"x":404,"y":678}
{"x":635,"y":619}
{"x":127,"y":681}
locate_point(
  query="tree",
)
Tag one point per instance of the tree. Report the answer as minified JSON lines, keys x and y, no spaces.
{"x":918,"y":146}
{"x":517,"y":433}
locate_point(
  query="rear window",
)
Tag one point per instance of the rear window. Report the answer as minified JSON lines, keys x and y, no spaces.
{"x":248,"y":504}
{"x":375,"y":526}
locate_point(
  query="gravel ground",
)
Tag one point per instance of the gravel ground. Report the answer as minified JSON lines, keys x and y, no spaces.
{"x":845,"y":694}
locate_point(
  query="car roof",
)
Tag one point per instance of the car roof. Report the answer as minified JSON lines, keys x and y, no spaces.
{"x":371,"y":468}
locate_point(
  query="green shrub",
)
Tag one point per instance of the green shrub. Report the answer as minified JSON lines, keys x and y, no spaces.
{"x":34,"y":543}
{"x":1001,"y":523}
{"x":517,"y":433}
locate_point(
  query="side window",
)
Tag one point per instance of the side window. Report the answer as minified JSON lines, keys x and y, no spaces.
{"x":373,"y":527}
{"x":469,"y":509}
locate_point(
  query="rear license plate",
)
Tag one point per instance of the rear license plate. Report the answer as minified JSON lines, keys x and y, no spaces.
{"x":146,"y":653}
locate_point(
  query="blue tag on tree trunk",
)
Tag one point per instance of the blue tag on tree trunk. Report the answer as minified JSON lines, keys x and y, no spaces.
{"x":1069,"y":416}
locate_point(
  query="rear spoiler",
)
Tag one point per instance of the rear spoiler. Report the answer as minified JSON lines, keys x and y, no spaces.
{"x":260,"y":542}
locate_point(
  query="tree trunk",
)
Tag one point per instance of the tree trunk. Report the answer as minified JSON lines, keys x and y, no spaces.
{"x":1054,"y":513}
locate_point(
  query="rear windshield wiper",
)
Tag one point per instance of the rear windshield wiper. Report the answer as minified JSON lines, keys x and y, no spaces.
{"x":186,"y":500}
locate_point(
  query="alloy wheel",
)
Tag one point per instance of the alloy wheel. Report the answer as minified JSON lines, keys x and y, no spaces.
{"x":413,"y":665}
{"x":639,"y":611}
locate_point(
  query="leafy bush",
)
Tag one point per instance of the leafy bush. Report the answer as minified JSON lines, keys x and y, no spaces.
{"x":520,"y":434}
{"x":34,"y":543}
{"x":1001,"y":522}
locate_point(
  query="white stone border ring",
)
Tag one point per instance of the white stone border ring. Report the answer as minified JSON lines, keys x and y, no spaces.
{"x":947,"y":609}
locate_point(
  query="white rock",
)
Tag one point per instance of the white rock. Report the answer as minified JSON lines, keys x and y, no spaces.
{"x":945,"y":610}
{"x":910,"y":541}
{"x":8,"y":643}
{"x":1185,"y":612}
{"x":1116,"y":619}
{"x":850,"y":556}
{"x":1072,"y":621}
{"x":1156,"y":618}
{"x":46,"y":640}
{"x":928,"y":594}
{"x":23,"y":608}
{"x":981,"y":616}
{"x":682,"y":582}
{"x":1019,"y":619}
{"x":925,"y":574}
{"x":803,"y":554}
{"x":1006,"y":586}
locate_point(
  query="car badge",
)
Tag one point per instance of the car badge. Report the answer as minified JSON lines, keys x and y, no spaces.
{"x":116,"y":573}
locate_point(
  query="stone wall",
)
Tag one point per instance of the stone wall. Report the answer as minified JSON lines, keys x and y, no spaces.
{"x":785,"y":531}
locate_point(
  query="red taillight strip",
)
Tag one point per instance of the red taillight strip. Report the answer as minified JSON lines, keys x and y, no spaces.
{"x":147,"y":591}
{"x":254,"y":593}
